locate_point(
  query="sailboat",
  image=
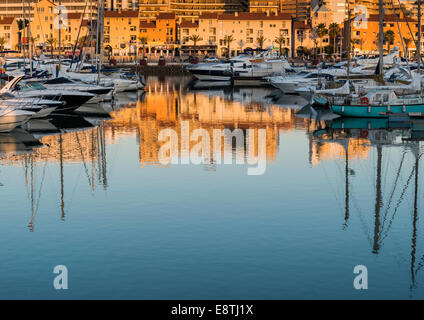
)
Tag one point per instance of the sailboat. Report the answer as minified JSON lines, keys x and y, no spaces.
{"x":382,"y":101}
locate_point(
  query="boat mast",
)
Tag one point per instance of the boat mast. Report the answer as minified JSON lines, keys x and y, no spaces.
{"x":23,"y":31}
{"x":348,"y":39}
{"x":60,"y":32}
{"x":29,"y":40}
{"x":381,"y":37}
{"x":419,"y":37}
{"x":378,"y":202}
{"x":100,"y":21}
{"x":346,"y":185}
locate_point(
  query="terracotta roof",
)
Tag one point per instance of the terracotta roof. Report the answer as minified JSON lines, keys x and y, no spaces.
{"x":74,"y":15}
{"x":254,"y":16}
{"x":208,"y":15}
{"x":7,"y":20}
{"x":166,"y":15}
{"x":301,"y":25}
{"x":145,"y":24}
{"x":121,"y":14}
{"x":390,"y":18}
{"x":188,"y":24}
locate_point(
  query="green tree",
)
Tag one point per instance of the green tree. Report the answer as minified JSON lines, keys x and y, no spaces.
{"x":21,"y":26}
{"x":52,"y":43}
{"x":195,"y":38}
{"x":354,"y":42}
{"x":334,"y":31}
{"x":280,"y":41}
{"x":2,"y":43}
{"x":407,"y":42}
{"x":389,"y":37}
{"x":143,"y":42}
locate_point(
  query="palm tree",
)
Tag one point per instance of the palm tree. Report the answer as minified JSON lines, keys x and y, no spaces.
{"x":407,"y":42}
{"x":261,"y":40}
{"x":2,"y":43}
{"x":195,"y":38}
{"x":51,"y":42}
{"x":227,"y":41}
{"x":280,"y":41}
{"x":143,"y":42}
{"x":354,"y":42}
{"x":389,"y":37}
{"x":334,"y":32}
{"x":21,"y":26}
{"x":322,"y":31}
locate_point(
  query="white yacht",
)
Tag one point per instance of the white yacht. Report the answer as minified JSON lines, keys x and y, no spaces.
{"x":289,"y":84}
{"x":11,"y":118}
{"x":241,"y":67}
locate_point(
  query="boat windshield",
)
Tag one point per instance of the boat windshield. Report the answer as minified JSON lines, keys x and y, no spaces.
{"x":33,"y":86}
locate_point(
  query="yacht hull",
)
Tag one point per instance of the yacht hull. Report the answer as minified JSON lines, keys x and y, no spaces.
{"x":374,"y":111}
{"x":9,"y":122}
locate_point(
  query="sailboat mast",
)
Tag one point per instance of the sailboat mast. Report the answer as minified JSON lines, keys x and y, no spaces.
{"x":29,"y":40}
{"x":348,"y":39}
{"x":60,"y":33}
{"x":100,"y":20}
{"x":346,"y":184}
{"x":381,"y":36}
{"x":23,"y":31}
{"x":419,"y":37}
{"x":378,"y":201}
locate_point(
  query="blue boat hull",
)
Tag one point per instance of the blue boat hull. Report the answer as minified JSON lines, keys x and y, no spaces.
{"x":365,"y":111}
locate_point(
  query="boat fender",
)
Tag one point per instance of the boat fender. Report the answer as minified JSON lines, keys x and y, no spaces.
{"x":363,"y":134}
{"x":365,"y":100}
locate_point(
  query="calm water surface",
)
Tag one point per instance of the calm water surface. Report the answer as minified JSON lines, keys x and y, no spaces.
{"x":96,"y":198}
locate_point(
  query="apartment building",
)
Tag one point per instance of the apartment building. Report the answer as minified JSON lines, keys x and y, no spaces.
{"x":159,"y":34}
{"x":19,"y":8}
{"x":45,"y":26}
{"x":246,"y":30}
{"x":270,"y":6}
{"x":300,"y":10}
{"x":9,"y":32}
{"x":365,"y":35}
{"x":121,"y":31}
{"x":149,"y":9}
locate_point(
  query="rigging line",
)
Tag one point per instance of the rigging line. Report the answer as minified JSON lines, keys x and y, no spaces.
{"x":331,"y":187}
{"x":409,"y":27}
{"x":360,"y":215}
{"x":82,"y":158}
{"x":41,"y":185}
{"x":74,"y":189}
{"x":26,"y":174}
{"x":394,"y":187}
{"x":400,"y":33}
{"x":385,"y":234}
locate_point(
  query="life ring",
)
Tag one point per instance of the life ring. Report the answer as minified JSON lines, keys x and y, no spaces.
{"x":365,"y":100}
{"x":363,"y":133}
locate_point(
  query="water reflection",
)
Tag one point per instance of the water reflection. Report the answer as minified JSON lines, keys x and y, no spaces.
{"x":371,"y":166}
{"x":405,"y":137}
